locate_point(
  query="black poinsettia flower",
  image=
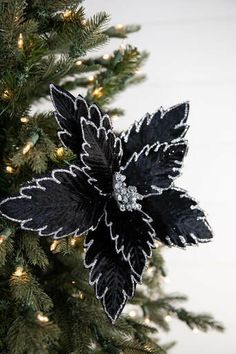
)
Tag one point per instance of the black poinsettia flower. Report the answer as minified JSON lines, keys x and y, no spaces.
{"x":119,"y":192}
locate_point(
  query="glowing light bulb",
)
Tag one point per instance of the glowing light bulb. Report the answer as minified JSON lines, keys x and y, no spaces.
{"x":79,"y":62}
{"x":119,"y":26}
{"x":60,"y":151}
{"x":150,"y":270}
{"x":7,"y":95}
{"x":73,"y":282}
{"x":20,"y":41}
{"x":106,"y":56}
{"x":157,"y":244}
{"x":73,"y":241}
{"x":91,"y":78}
{"x":132,"y":313}
{"x":5,"y":234}
{"x":19,"y":271}
{"x":148,"y":348}
{"x":98,"y":92}
{"x":2,"y":239}
{"x":81,"y":295}
{"x":195,"y":330}
{"x":27,"y":147}
{"x":9,"y":169}
{"x":147,"y":320}
{"x":54,"y":245}
{"x":84,"y":22}
{"x":24,"y":120}
{"x":67,"y":15}
{"x":42,"y":318}
{"x":168,"y":318}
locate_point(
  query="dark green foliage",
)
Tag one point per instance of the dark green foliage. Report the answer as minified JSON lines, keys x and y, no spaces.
{"x":26,"y":290}
{"x":29,"y":335}
{"x":119,"y":72}
{"x":5,"y":250}
{"x":121,"y":31}
{"x":46,"y":303}
{"x":33,"y":250}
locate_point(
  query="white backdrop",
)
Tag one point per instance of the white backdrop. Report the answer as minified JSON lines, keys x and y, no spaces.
{"x":192,"y":47}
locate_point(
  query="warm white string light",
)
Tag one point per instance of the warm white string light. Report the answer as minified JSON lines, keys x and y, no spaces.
{"x":20,"y":41}
{"x":73,"y":241}
{"x":9,"y":169}
{"x":24,"y":120}
{"x":5,"y":234}
{"x":119,"y":26}
{"x":98,"y":92}
{"x":54,"y":245}
{"x":7,"y":95}
{"x":168,"y":318}
{"x":27,"y":147}
{"x":19,"y":271}
{"x":150,"y":270}
{"x":60,"y":151}
{"x":132,"y":313}
{"x":30,"y":143}
{"x":84,"y":22}
{"x":91,"y":78}
{"x":42,"y":318}
{"x":157,"y":244}
{"x":67,"y":15}
{"x":106,"y":56}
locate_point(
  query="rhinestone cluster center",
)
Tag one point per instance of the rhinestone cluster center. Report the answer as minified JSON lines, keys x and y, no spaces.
{"x":126,"y":197}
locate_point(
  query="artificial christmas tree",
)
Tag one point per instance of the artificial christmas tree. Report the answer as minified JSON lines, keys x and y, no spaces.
{"x":46,"y":302}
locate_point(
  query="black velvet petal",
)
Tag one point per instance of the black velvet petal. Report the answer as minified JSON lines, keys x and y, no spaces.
{"x":101,"y":156}
{"x":155,"y":168}
{"x":96,"y":113}
{"x":63,"y":101}
{"x":162,"y":126}
{"x":67,"y":119}
{"x":133,"y":235}
{"x":69,"y":111}
{"x":60,"y":204}
{"x":110,"y":273}
{"x":177,"y":218}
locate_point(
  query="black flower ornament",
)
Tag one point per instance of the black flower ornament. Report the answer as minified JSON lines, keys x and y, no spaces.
{"x":119,"y":192}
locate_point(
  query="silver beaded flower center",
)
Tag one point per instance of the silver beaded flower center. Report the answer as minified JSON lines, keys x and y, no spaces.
{"x":126,"y":197}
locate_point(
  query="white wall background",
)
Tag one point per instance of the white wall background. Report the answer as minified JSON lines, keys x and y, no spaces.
{"x":192,"y":45}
